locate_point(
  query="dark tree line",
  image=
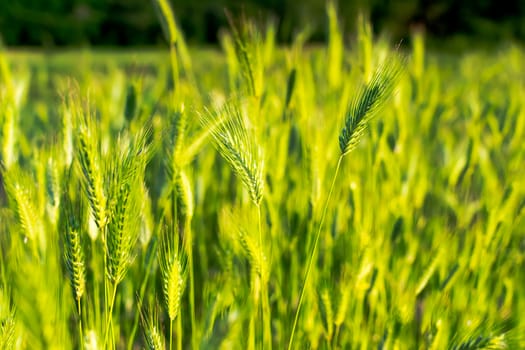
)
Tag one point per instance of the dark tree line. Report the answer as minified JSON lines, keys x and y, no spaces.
{"x":134,"y":22}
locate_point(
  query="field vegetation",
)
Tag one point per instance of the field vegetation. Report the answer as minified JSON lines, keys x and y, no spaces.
{"x":346,"y":196}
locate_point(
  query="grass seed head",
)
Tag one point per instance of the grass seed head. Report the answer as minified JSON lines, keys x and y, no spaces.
{"x":125,"y":188}
{"x":88,"y":155}
{"x":173,"y":269}
{"x":74,"y":257}
{"x":237,"y":144}
{"x":367,"y":103}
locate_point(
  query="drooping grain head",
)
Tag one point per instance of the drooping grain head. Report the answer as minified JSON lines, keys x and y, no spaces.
{"x":367,"y":102}
{"x":236,"y":141}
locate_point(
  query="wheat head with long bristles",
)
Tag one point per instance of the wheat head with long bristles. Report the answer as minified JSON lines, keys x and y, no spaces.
{"x":237,"y":143}
{"x":368,"y":102}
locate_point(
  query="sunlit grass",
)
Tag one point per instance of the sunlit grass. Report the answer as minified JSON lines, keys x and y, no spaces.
{"x":115,"y":208}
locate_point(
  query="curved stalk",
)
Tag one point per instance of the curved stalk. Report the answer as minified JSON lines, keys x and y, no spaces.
{"x":313,"y":253}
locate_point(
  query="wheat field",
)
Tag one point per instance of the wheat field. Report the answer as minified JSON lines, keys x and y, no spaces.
{"x":353,"y":195}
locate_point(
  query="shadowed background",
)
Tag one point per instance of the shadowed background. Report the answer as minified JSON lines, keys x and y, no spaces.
{"x":53,"y":23}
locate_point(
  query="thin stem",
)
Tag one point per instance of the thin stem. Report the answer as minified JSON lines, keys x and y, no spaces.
{"x":251,"y":334}
{"x":80,"y":331}
{"x":265,"y":307}
{"x":336,"y":336}
{"x":189,"y":243}
{"x":98,"y":281}
{"x":106,"y":298}
{"x":261,"y":279}
{"x":313,"y":253}
{"x":171,"y":335}
{"x":174,"y":66}
{"x":106,"y":281}
{"x":167,"y":15}
{"x":267,"y":317}
{"x":141,"y":297}
{"x":260,"y":231}
{"x":179,"y":333}
{"x":109,"y":315}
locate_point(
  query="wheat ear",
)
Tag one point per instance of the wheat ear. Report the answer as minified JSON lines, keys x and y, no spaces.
{"x":126,"y":181}
{"x":236,"y":141}
{"x":75,"y":262}
{"x":173,"y":270}
{"x":74,"y":256}
{"x":19,"y":190}
{"x":237,"y":144}
{"x":126,"y":178}
{"x":368,"y":102}
{"x":90,"y":164}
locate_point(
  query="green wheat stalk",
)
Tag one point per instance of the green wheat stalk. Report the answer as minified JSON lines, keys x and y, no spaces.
{"x":178,"y":46}
{"x":173,"y":269}
{"x":126,"y":176}
{"x":8,"y":133}
{"x":236,"y":141}
{"x":74,"y":257}
{"x":126,"y":181}
{"x":364,"y":107}
{"x":169,"y":26}
{"x":75,"y":262}
{"x":185,"y":208}
{"x":183,"y":202}
{"x":335,"y":46}
{"x":89,"y":159}
{"x":368,"y":102}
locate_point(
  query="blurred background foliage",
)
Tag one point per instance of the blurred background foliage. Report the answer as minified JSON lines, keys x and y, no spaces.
{"x":53,"y":23}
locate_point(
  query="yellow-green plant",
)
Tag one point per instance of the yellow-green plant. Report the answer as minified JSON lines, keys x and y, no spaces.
{"x":116,"y":237}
